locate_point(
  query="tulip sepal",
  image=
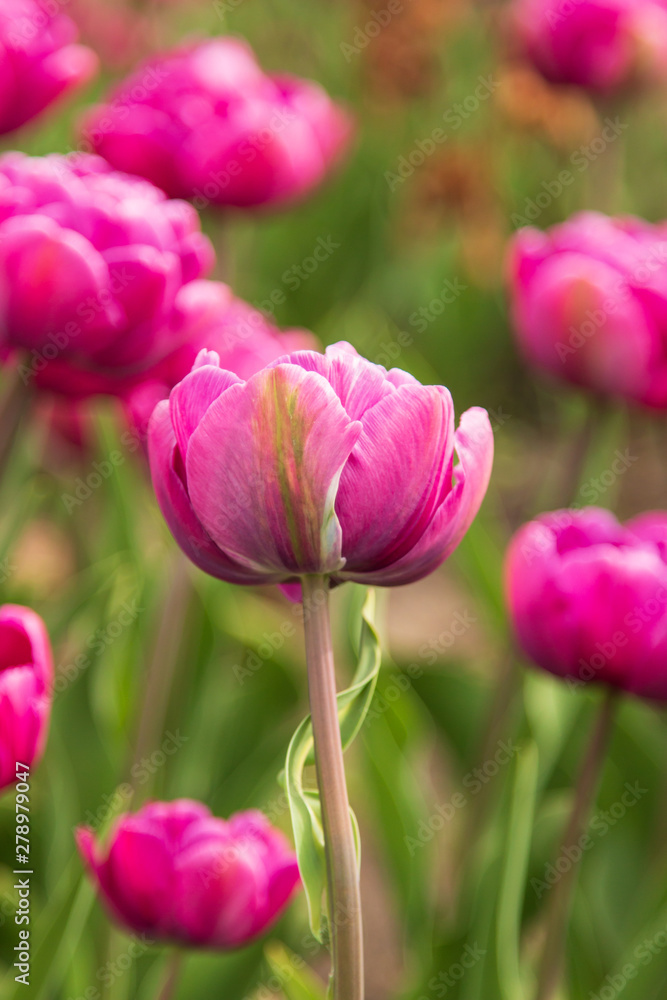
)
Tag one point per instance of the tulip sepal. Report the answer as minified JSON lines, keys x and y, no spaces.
{"x":325,"y":829}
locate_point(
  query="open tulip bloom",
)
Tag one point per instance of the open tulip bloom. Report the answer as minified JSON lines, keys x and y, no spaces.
{"x":320,"y":468}
{"x":205,"y":122}
{"x":317,"y":465}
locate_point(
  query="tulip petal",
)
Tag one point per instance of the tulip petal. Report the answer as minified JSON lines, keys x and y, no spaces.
{"x":473,"y":443}
{"x":397,"y":476}
{"x":177,"y":509}
{"x":191,"y":398}
{"x":65,"y":270}
{"x":267,"y":456}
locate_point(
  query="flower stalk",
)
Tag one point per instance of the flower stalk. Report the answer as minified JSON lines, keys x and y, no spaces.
{"x":13,"y":405}
{"x":345,"y":918}
{"x":551,"y":964}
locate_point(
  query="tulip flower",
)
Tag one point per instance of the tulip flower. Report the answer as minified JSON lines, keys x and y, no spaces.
{"x":318,"y":469}
{"x":588,"y":598}
{"x":178,"y":874}
{"x":602,"y":45}
{"x":205,"y":122}
{"x":318,"y":464}
{"x":26,"y":684}
{"x":589,"y":302}
{"x":94,"y":266}
{"x":39,"y":60}
{"x":210,"y":315}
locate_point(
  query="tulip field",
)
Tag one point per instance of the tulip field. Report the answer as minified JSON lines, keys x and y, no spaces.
{"x":333,"y":500}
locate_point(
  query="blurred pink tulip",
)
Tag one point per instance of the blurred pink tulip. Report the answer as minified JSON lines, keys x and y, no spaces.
{"x":588,"y":597}
{"x":26,"y":684}
{"x":204,"y":122}
{"x":601,"y":45}
{"x":178,"y":874}
{"x":93,"y":267}
{"x":324,"y":464}
{"x":209,"y":315}
{"x":589,"y":303}
{"x":39,"y":61}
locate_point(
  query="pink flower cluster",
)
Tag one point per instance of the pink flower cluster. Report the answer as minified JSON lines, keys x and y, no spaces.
{"x":94,"y":271}
{"x":205,"y":122}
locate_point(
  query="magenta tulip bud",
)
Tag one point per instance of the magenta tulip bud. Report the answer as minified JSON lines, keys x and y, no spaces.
{"x":26,"y":686}
{"x":205,"y":122}
{"x":589,"y":304}
{"x":94,"y":266}
{"x":318,"y":464}
{"x":601,"y":45}
{"x":588,"y":598}
{"x":39,"y":61}
{"x":211,"y":316}
{"x":178,"y":874}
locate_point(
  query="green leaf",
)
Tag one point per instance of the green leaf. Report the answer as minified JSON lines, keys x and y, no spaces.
{"x":297,"y":981}
{"x":304,"y":803}
{"x":519,"y":834}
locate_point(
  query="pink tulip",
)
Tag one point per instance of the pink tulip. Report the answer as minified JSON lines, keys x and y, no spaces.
{"x":588,"y":597}
{"x":39,"y":61}
{"x":318,"y":464}
{"x":598,"y":44}
{"x":26,"y":683}
{"x":205,"y":122}
{"x":589,"y":303}
{"x":178,"y":874}
{"x":210,"y":316}
{"x":94,"y":265}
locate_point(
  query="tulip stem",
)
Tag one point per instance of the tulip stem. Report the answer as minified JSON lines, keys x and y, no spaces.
{"x":13,"y":404}
{"x":162,"y":664}
{"x":559,"y":904}
{"x":173,"y":968}
{"x":575,"y":462}
{"x":344,"y":897}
